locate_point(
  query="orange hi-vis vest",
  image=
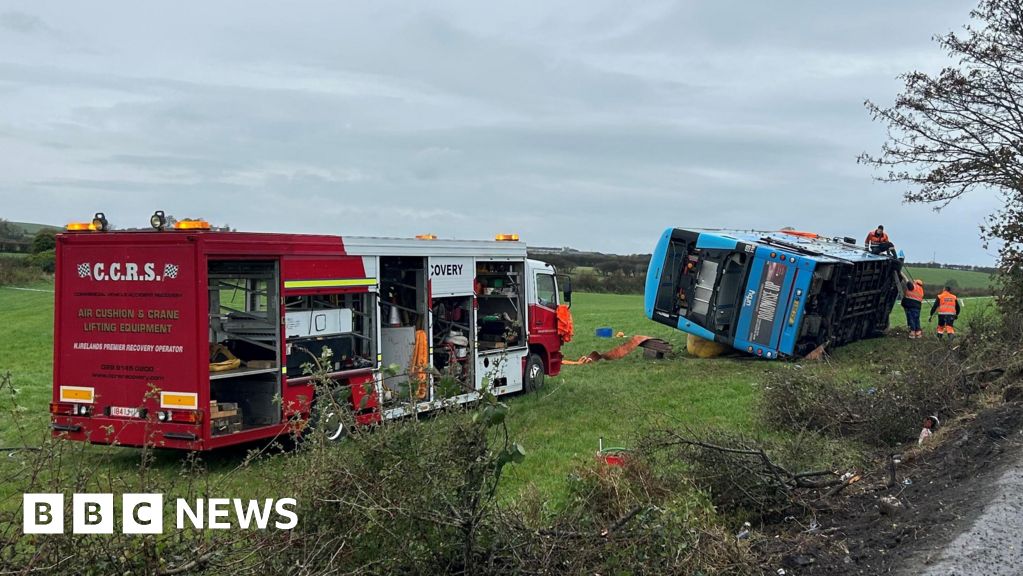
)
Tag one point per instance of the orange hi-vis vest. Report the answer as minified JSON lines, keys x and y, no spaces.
{"x":917,"y":293}
{"x":875,"y":239}
{"x":946,"y":303}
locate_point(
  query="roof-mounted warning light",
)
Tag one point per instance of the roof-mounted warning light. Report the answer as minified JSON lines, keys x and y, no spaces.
{"x":191,"y":224}
{"x":99,"y":224}
{"x":507,"y":237}
{"x":426,"y":236}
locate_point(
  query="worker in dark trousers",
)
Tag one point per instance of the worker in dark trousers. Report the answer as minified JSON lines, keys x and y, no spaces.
{"x":947,"y":306}
{"x":912,"y":301}
{"x":878,"y":242}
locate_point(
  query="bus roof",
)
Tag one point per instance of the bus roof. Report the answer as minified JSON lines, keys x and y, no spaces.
{"x":817,"y":246}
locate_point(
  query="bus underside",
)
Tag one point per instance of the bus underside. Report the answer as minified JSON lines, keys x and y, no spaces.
{"x":848,"y":301}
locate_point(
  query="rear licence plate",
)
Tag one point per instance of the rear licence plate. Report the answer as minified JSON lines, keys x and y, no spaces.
{"x":124,"y":412}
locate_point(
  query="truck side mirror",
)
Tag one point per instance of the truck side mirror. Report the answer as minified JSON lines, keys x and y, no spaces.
{"x":565,"y":281}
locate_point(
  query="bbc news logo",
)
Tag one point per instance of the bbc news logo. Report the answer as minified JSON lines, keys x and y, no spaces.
{"x":95,"y":513}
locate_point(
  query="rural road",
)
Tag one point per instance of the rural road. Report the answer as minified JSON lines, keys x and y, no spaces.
{"x":993,"y":544}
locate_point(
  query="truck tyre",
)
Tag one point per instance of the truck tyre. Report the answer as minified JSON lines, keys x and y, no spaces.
{"x":329,"y":419}
{"x":533,"y":379}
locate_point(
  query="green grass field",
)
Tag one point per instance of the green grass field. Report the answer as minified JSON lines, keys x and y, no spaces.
{"x":29,"y":228}
{"x":26,"y":352}
{"x":940,"y":276}
{"x":559,"y":427}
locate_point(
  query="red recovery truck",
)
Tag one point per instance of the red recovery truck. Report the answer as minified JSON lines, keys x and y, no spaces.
{"x":195,"y":339}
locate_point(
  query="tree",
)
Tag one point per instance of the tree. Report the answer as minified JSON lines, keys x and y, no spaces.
{"x":10,"y":231}
{"x":961,"y":129}
{"x":45,"y":239}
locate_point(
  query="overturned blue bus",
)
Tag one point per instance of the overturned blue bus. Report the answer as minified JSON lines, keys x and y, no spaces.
{"x":771,"y":294}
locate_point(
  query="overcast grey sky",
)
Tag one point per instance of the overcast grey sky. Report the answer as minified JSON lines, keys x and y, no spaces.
{"x":588,"y":123}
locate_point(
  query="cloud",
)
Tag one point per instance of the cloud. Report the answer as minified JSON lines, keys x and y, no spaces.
{"x":590,"y":123}
{"x":23,"y":23}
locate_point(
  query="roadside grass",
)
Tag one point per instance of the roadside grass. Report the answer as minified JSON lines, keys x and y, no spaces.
{"x":26,"y":349}
{"x":559,"y":426}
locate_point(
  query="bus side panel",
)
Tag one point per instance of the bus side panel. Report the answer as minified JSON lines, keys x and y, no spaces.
{"x":125,"y":340}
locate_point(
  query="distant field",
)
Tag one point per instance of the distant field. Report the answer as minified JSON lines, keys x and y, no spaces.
{"x":559,"y":427}
{"x":30,"y":228}
{"x":941,"y":276}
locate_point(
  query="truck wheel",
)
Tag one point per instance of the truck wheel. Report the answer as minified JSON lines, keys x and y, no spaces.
{"x":329,"y":420}
{"x":534,"y":376}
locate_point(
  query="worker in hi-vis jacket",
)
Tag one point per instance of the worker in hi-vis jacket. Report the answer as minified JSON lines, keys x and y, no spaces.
{"x":878,"y":242}
{"x":947,"y":306}
{"x":912,"y":302}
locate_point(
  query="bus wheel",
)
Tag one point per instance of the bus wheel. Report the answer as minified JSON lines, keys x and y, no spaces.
{"x":534,"y":376}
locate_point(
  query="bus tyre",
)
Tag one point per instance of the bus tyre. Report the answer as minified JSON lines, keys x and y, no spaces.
{"x":327,"y":418}
{"x":534,"y":376}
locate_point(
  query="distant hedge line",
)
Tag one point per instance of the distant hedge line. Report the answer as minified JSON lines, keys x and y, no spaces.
{"x":25,"y":269}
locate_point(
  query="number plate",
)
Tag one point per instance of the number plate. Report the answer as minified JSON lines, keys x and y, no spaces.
{"x":124,"y":412}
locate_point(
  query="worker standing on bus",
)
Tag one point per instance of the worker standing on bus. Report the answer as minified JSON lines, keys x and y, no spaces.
{"x":947,"y":306}
{"x":912,"y":301}
{"x":878,"y":242}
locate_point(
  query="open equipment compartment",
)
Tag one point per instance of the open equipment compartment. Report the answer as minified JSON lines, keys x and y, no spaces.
{"x":342,"y":323}
{"x":245,"y":344}
{"x":403,"y":309}
{"x":452,"y":338}
{"x":500,"y":324}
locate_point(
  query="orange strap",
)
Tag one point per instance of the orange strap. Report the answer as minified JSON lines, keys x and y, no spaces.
{"x":613,"y":354}
{"x":800,"y":233}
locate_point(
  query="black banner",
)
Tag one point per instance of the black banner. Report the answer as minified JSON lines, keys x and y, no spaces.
{"x":766,"y":310}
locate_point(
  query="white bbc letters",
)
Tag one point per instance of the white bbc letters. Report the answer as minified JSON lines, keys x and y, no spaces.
{"x":43,"y":513}
{"x":194,"y":516}
{"x":142,"y":513}
{"x":219,"y":508}
{"x":92,"y":513}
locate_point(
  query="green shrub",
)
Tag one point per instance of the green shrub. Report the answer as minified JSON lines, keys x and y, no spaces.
{"x":884,"y":409}
{"x":45,"y":240}
{"x":45,"y":260}
{"x":19,"y":270}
